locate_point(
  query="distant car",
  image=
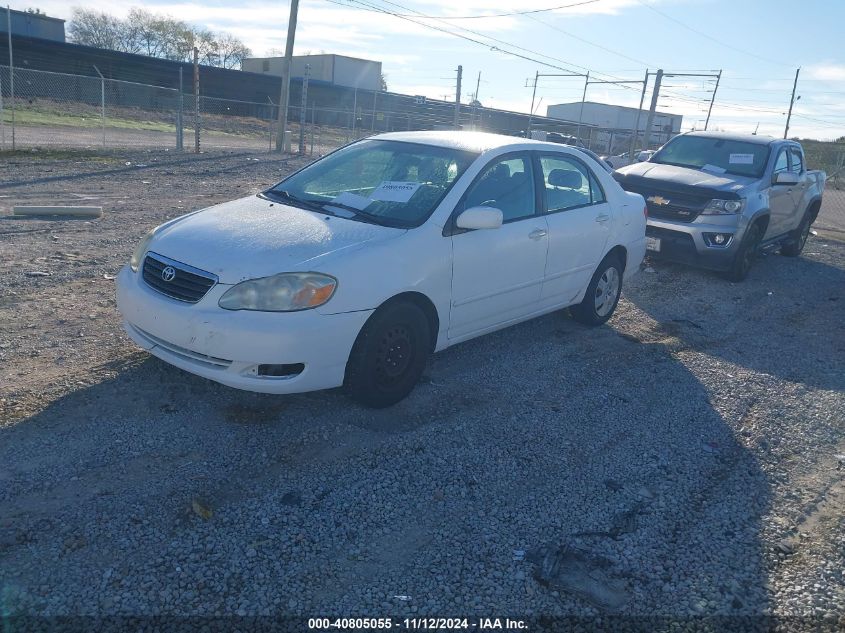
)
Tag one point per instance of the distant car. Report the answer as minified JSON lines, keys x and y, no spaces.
{"x":353,"y":270}
{"x":601,"y":161}
{"x":628,"y":158}
{"x":716,"y":199}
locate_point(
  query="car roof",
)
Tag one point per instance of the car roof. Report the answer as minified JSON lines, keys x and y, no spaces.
{"x":745,"y":138}
{"x":469,"y":141}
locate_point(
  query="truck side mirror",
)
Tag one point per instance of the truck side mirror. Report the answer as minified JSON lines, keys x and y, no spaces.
{"x":785,"y":178}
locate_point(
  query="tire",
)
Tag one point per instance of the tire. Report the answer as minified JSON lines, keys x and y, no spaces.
{"x":602,"y":294}
{"x":747,"y":253}
{"x":795,"y":244}
{"x":389,"y":355}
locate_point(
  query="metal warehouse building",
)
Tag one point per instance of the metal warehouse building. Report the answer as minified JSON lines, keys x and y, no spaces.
{"x":615,"y":117}
{"x":28,"y":24}
{"x":337,"y":70}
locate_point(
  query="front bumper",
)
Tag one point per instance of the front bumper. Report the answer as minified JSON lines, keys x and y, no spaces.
{"x":227,"y":346}
{"x":684,"y":243}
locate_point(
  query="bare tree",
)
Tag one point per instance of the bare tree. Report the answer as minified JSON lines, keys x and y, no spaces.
{"x":156,"y":35}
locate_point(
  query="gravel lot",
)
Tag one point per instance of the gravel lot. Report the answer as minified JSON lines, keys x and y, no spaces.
{"x":687,"y":459}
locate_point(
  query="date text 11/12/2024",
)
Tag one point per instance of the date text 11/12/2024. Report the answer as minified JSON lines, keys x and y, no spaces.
{"x":422,"y":624}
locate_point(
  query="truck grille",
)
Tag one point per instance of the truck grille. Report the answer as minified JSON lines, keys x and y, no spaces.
{"x":175,"y":279}
{"x":668,"y":205}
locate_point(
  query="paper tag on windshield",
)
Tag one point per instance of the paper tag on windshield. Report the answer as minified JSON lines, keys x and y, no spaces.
{"x":395,"y":191}
{"x":352,"y":200}
{"x":713,"y":169}
{"x":741,"y":159}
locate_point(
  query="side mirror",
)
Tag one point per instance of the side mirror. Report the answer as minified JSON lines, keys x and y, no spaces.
{"x":480,"y":218}
{"x":785,"y":178}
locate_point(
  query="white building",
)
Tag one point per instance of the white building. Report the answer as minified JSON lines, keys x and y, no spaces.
{"x":614,"y":117}
{"x":338,"y":70}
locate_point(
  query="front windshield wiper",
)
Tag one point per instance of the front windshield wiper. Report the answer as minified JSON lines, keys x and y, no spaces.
{"x":372,"y":218}
{"x":287,"y":196}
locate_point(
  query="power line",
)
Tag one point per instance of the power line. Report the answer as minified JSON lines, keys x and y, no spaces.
{"x":495,"y":15}
{"x":586,"y":41}
{"x":709,"y":37}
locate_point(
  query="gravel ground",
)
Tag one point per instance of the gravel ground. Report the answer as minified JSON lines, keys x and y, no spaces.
{"x":685,"y":460}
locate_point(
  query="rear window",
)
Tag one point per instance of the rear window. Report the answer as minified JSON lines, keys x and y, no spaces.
{"x":715,"y":155}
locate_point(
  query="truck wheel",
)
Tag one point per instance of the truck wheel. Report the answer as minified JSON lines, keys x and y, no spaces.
{"x":602,"y":294}
{"x":746,"y":254}
{"x":389,"y":355}
{"x":795,"y":244}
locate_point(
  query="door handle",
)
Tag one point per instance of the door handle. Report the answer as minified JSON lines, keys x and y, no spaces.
{"x":602,"y":217}
{"x":536,"y":234}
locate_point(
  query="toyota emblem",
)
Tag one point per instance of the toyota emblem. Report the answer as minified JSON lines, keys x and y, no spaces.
{"x":168,"y":273}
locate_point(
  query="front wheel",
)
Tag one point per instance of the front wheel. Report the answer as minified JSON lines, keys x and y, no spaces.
{"x":602,"y":294}
{"x":746,"y":254}
{"x":389,"y":355}
{"x":798,"y":239}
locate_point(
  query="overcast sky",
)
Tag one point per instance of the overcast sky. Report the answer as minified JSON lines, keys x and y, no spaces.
{"x":758,"y":45}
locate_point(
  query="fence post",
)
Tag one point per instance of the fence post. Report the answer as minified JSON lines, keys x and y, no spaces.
{"x":102,"y":103}
{"x":270,"y":122}
{"x":313,"y":116}
{"x":375,"y":96}
{"x":354,"y":110}
{"x":179,"y":129}
{"x":2,"y":125}
{"x":303,"y":109}
{"x":196,"y":101}
{"x":11,"y":72}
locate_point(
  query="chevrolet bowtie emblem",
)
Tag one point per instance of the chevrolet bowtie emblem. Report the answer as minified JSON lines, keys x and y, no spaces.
{"x":658,"y":200}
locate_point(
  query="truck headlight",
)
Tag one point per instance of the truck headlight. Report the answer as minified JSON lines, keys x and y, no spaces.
{"x":723,"y":207}
{"x":140,"y":250}
{"x":285,"y":292}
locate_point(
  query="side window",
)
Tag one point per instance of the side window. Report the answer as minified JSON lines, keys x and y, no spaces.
{"x":568,"y":184}
{"x":506,"y":184}
{"x":782,"y":162}
{"x":797,"y":161}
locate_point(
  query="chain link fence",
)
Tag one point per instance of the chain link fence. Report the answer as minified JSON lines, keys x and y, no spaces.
{"x":42,"y":109}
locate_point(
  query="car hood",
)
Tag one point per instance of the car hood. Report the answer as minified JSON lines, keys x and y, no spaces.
{"x":652,"y":174}
{"x":252,"y":237}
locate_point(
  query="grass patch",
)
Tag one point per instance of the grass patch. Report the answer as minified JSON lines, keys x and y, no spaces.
{"x":49,"y":118}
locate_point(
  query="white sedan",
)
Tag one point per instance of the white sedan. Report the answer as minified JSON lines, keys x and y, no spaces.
{"x":353,"y":270}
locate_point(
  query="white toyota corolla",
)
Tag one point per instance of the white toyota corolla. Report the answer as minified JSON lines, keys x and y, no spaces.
{"x":354,"y":269}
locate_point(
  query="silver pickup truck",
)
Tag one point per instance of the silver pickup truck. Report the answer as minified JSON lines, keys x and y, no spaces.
{"x":715,"y":199}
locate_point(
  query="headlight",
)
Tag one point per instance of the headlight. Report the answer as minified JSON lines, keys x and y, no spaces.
{"x":723,"y":207}
{"x":140,"y":250}
{"x":286,"y":292}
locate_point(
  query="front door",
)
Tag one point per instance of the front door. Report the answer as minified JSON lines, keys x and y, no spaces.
{"x":497,"y":273}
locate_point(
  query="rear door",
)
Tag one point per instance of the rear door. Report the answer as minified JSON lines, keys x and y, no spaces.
{"x":580,"y":220}
{"x":497,"y":273}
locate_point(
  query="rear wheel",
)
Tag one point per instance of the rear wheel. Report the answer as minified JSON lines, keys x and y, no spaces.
{"x":389,"y":355}
{"x":746,"y":254}
{"x":796,"y":242}
{"x":602,"y":294}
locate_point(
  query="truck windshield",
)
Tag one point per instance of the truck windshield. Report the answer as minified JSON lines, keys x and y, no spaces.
{"x":715,"y":155}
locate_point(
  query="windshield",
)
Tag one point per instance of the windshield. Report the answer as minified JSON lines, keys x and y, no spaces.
{"x":387,"y":182}
{"x":715,"y":155}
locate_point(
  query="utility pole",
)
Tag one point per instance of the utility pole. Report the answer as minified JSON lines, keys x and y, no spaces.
{"x":477,"y":85}
{"x":791,"y":103}
{"x":581,"y":111}
{"x":285,"y":95}
{"x":655,"y":94}
{"x":636,"y":135}
{"x":458,"y":98}
{"x":531,"y":111}
{"x":196,"y":101}
{"x":712,"y":100}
